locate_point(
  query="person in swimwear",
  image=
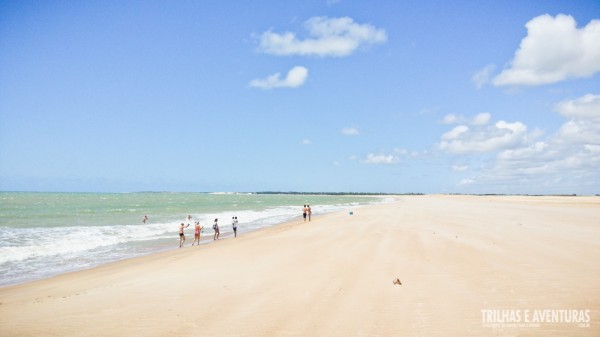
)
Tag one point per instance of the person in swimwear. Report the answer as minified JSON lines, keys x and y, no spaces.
{"x":308,"y":210}
{"x":181,"y":234}
{"x":197,"y":231}
{"x":304,"y":213}
{"x":145,"y":219}
{"x":216,"y":229}
{"x":234,"y":225}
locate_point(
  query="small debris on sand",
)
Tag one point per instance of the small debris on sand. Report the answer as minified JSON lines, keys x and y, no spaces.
{"x":397,"y":281}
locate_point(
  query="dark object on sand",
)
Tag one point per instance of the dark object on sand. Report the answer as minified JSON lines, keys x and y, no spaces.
{"x":397,"y":281}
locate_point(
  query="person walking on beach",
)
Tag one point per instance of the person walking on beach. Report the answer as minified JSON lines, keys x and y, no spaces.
{"x":308,"y":210}
{"x":304,"y":210}
{"x":216,"y":229}
{"x":197,"y":231}
{"x":234,"y":225}
{"x":182,"y":234}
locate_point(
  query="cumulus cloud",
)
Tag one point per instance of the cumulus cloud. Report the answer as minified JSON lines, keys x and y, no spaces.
{"x":460,"y":168}
{"x":553,"y":50}
{"x":466,"y":181}
{"x":294,"y":78}
{"x":566,"y":161}
{"x":583,"y":126}
{"x":587,"y":107}
{"x":380,"y":159}
{"x":327,"y":37}
{"x":350,"y":132}
{"x":450,"y":119}
{"x":482,"y":139}
{"x":455,"y":133}
{"x":481,"y":119}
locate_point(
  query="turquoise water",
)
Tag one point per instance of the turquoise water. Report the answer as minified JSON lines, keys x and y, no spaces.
{"x":45,"y":234}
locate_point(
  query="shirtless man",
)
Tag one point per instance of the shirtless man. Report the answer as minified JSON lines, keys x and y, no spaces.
{"x":182,"y":234}
{"x":304,"y":211}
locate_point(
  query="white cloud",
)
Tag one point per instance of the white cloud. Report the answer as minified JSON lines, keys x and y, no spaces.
{"x":380,"y":159}
{"x":483,"y":76}
{"x":328,"y":37}
{"x":483,"y":139}
{"x":587,"y":107}
{"x":455,"y":133}
{"x":460,"y":168}
{"x":466,"y":182}
{"x":554,"y":50}
{"x":566,"y":161}
{"x":583,"y":127}
{"x":294,"y":78}
{"x":450,"y":119}
{"x":306,"y":142}
{"x":481,"y":119}
{"x":350,"y":132}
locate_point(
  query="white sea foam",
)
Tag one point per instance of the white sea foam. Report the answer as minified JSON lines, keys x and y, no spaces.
{"x":19,"y":244}
{"x":28,"y":253}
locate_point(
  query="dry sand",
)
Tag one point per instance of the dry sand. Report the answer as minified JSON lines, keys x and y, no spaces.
{"x":454,"y":255}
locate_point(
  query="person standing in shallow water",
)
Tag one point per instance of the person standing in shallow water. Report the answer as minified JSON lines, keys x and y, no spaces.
{"x":234,"y":225}
{"x":197,"y":231}
{"x":182,"y":234}
{"x":216,"y":229}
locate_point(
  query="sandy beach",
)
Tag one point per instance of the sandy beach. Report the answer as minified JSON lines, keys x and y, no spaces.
{"x":468,"y":266}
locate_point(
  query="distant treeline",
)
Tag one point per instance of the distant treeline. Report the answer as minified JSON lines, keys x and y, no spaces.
{"x":525,"y":195}
{"x":381,"y":193}
{"x":336,"y":193}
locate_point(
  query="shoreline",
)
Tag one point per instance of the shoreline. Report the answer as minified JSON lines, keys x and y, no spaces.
{"x":35,"y":250}
{"x":456,"y":257}
{"x":206,"y":239}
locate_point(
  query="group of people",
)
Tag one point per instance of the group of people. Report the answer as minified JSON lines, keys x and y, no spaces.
{"x":306,"y":211}
{"x":198,"y":230}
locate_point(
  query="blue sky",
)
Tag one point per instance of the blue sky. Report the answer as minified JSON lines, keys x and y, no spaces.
{"x":360,"y":96}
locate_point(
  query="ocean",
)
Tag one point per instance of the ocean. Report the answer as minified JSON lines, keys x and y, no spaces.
{"x":46,"y":234}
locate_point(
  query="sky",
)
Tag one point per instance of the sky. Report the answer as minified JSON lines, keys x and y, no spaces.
{"x":310,"y":96}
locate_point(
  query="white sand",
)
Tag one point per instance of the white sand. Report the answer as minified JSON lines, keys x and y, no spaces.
{"x":455,"y":256}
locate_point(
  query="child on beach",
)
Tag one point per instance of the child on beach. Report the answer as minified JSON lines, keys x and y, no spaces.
{"x":197,"y":231}
{"x":182,"y":234}
{"x":216,"y":229}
